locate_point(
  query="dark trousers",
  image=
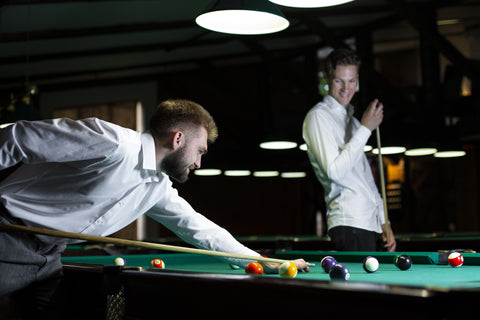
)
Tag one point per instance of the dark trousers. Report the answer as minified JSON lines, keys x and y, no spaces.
{"x":354,"y":239}
{"x":30,"y":273}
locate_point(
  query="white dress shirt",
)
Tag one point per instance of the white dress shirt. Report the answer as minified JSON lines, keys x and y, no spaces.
{"x":335,"y":141}
{"x":94,"y":177}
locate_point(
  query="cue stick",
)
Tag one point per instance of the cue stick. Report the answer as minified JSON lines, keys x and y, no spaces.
{"x":136,"y":243}
{"x":382,"y":183}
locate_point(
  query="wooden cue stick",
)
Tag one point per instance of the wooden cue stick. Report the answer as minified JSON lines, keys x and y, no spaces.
{"x":382,"y":183}
{"x":136,"y":243}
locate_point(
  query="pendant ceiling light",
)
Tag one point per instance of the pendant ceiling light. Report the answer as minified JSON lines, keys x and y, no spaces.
{"x":310,"y":3}
{"x":242,"y":17}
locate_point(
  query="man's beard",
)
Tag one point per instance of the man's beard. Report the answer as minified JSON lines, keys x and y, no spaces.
{"x":175,"y":166}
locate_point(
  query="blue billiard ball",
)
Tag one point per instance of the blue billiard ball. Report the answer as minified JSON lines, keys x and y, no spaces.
{"x":327,"y":263}
{"x":339,"y":272}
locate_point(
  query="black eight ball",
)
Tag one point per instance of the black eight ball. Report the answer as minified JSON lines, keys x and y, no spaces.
{"x":403,"y":262}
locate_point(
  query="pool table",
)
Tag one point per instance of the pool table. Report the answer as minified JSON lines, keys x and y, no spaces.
{"x":193,"y":285}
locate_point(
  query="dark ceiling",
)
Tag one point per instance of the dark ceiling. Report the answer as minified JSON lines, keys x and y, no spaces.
{"x":254,"y":85}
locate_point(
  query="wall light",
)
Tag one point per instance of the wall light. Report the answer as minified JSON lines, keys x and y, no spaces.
{"x":310,"y":3}
{"x":242,"y":17}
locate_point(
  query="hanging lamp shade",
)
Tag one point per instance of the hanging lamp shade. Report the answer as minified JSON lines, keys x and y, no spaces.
{"x":310,"y":3}
{"x":242,"y":17}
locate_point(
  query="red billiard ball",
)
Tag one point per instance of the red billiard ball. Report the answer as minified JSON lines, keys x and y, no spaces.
{"x":254,"y":268}
{"x":157,"y":263}
{"x":455,"y":259}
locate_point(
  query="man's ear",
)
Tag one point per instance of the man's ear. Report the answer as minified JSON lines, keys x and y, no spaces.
{"x":178,"y":140}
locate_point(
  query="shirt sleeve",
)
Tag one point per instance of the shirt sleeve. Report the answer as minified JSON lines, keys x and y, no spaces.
{"x":177,"y":214}
{"x":332,"y":159}
{"x":57,"y":140}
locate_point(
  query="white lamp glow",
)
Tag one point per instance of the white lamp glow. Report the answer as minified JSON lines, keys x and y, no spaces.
{"x":420,"y":152}
{"x":449,"y":154}
{"x":390,"y":150}
{"x":4,"y":125}
{"x":310,"y":3}
{"x":264,"y":174}
{"x":207,"y":172}
{"x":237,"y":173}
{"x":293,"y":174}
{"x":278,"y":145}
{"x":243,"y":17}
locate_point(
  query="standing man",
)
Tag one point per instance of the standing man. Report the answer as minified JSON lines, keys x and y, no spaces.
{"x":94,"y":177}
{"x":336,"y":141}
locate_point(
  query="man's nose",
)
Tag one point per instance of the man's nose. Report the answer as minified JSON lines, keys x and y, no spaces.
{"x":198,"y":162}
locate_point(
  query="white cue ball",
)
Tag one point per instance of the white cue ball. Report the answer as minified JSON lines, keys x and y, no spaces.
{"x":370,"y":264}
{"x":119,"y":261}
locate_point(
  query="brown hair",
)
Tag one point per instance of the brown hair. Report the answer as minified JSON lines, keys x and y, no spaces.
{"x":340,"y":57}
{"x":181,"y":114}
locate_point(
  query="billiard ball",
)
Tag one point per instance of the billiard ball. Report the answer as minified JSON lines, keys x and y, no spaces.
{"x":288,"y":269}
{"x":370,"y":264}
{"x":455,"y":259}
{"x":327,"y":263}
{"x":119,"y":261}
{"x":339,"y":272}
{"x":254,"y":268}
{"x":157,"y":263}
{"x":403,"y":262}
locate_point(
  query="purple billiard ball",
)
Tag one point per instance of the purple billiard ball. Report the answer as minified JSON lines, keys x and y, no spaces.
{"x":327,"y":263}
{"x":339,"y":272}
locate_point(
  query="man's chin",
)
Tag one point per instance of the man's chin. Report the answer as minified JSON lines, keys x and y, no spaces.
{"x":180,"y":179}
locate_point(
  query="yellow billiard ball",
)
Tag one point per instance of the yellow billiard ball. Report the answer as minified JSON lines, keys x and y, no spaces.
{"x":288,"y":269}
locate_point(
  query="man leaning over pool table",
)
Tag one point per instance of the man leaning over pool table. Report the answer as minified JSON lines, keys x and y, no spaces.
{"x":94,"y":177}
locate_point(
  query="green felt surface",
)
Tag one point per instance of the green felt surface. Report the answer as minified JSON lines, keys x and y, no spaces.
{"x":427,"y":269}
